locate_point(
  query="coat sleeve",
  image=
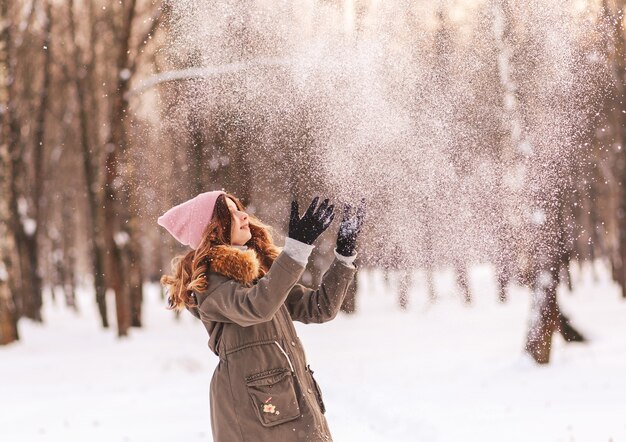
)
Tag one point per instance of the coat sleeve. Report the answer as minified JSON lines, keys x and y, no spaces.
{"x":321,"y":305}
{"x":229,"y":301}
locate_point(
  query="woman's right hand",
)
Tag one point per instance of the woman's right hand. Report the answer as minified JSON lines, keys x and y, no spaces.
{"x":308,"y":228}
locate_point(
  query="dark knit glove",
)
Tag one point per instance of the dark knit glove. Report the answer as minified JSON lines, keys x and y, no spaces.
{"x":312,"y":223}
{"x":349,"y":229}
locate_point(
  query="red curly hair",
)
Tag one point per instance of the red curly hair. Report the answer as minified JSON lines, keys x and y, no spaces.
{"x":189,"y":270}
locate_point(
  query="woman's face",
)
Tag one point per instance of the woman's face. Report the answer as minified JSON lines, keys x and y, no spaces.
{"x":239,"y":229}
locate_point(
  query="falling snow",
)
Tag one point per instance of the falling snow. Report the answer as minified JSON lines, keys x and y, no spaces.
{"x":452,"y":118}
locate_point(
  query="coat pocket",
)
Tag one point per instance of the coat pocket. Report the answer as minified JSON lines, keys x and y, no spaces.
{"x":318,"y":391}
{"x":273,"y":396}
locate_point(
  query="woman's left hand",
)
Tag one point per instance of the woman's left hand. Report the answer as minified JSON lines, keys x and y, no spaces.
{"x":349,"y":229}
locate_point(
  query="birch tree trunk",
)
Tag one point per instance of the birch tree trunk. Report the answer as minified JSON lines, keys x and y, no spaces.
{"x":547,"y":203}
{"x":511,"y":143}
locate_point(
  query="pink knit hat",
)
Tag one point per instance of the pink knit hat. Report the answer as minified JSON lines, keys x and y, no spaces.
{"x":187,"y":221}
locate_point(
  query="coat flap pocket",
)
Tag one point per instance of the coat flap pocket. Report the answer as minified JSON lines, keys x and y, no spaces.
{"x":273,"y":396}
{"x":269,"y":377}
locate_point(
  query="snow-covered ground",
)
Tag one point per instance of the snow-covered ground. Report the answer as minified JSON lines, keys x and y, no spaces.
{"x":442,"y":372}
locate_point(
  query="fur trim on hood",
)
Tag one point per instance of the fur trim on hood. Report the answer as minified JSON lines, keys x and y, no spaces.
{"x":240,"y":265}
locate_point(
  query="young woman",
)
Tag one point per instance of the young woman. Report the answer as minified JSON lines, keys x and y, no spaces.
{"x":246,"y":293}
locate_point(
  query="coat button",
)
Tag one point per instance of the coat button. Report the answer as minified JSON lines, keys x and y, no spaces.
{"x":309,"y":390}
{"x":293,"y":344}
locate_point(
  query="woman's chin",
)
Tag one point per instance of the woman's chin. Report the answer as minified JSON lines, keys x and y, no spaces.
{"x":242,"y":240}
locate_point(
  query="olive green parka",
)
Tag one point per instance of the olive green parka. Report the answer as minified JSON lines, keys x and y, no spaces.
{"x":263,"y":389}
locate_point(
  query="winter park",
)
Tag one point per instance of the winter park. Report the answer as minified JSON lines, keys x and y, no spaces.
{"x":313,"y":220}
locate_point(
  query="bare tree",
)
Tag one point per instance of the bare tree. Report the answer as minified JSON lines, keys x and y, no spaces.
{"x":546,"y":200}
{"x":121,"y":228}
{"x":616,"y":110}
{"x":83,"y":63}
{"x":25,"y":187}
{"x":8,"y":308}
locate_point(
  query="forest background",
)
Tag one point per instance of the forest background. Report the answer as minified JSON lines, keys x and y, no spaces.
{"x":479,"y":132}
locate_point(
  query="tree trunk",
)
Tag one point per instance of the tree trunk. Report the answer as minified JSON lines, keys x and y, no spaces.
{"x":197,"y":162}
{"x":617,"y":115}
{"x":27,"y":237}
{"x":503,"y":277}
{"x":116,"y":215}
{"x":545,"y":280}
{"x":30,"y":262}
{"x":509,"y":141}
{"x":68,"y":263}
{"x":90,"y":173}
{"x":429,"y":255}
{"x":462,"y":282}
{"x":596,"y":241}
{"x":8,"y":311}
{"x":135,"y":273}
{"x":8,"y":324}
{"x":404,"y":284}
{"x":28,"y":296}
{"x":546,"y":317}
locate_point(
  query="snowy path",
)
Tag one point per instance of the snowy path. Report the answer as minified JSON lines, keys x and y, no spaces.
{"x":434,"y":373}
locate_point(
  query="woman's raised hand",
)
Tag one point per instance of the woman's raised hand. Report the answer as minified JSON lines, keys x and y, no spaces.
{"x":312,"y":223}
{"x":349,"y":229}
